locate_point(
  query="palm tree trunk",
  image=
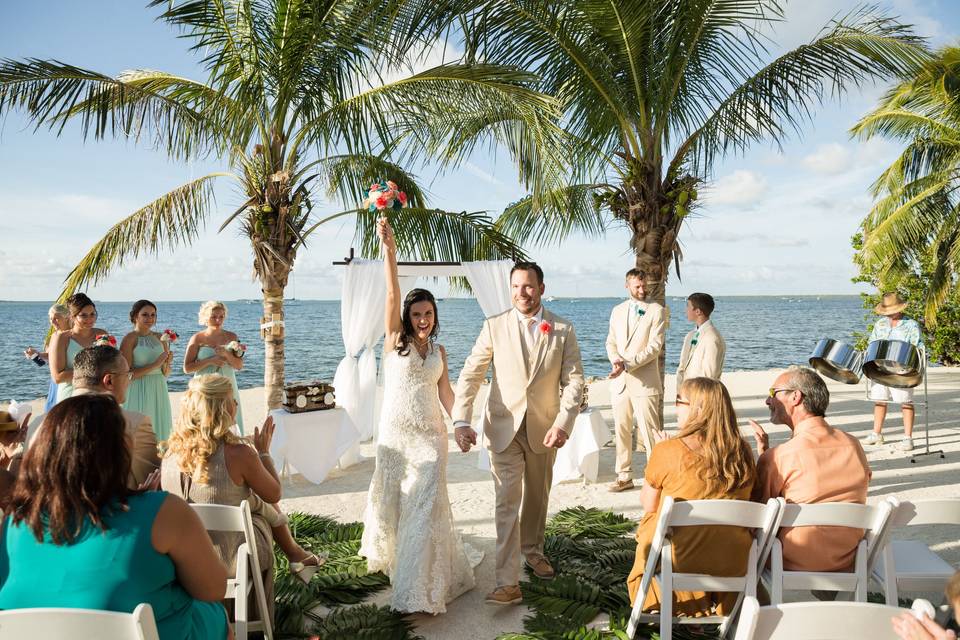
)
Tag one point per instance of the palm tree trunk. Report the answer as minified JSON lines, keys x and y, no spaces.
{"x":273,"y":344}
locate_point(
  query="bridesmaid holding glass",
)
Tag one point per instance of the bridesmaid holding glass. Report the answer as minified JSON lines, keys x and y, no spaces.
{"x":65,"y":345}
{"x":207,"y":351}
{"x":149,"y":359}
{"x":59,"y":317}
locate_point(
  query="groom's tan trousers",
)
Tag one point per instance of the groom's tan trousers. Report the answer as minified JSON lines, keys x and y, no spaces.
{"x":522,"y":482}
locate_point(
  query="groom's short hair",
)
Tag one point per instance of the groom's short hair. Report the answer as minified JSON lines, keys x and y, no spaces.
{"x":528,"y":266}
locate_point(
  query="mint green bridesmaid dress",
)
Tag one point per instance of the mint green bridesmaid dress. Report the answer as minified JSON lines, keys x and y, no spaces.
{"x":226,"y":370}
{"x":113,"y":570}
{"x":149,"y":394}
{"x":65,"y":389}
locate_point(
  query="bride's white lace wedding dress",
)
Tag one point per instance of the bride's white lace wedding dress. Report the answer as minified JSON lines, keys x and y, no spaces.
{"x":408,"y":527}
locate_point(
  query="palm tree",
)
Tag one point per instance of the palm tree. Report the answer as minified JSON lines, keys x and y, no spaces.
{"x":653,"y":92}
{"x":914,"y":225}
{"x":294,"y":99}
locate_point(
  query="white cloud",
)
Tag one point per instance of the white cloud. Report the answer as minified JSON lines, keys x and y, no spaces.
{"x":754,"y":238}
{"x":829,"y":159}
{"x":740,"y":187}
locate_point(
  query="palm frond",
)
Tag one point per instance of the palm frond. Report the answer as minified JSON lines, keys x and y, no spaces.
{"x":857,"y":48}
{"x":171,"y":221}
{"x":553,"y":216}
{"x":350,"y":176}
{"x":183,"y":117}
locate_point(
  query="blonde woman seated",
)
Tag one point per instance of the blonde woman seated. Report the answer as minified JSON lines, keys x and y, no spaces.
{"x":207,"y":463}
{"x":707,"y":460}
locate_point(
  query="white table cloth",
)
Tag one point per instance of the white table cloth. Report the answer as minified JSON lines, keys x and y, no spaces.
{"x":580,"y":456}
{"x":312,"y":442}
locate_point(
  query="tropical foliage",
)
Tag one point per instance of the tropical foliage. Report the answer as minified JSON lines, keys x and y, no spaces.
{"x":912,"y":233}
{"x":653,"y":92}
{"x":302,"y":101}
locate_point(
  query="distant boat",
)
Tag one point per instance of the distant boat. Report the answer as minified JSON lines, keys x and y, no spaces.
{"x":549,"y":299}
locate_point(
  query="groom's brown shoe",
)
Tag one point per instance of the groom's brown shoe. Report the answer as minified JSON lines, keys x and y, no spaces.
{"x":540,"y":566}
{"x":505,"y":595}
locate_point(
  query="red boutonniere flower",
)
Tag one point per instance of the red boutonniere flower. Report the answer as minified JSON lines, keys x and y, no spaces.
{"x":546,"y":328}
{"x":105,"y":339}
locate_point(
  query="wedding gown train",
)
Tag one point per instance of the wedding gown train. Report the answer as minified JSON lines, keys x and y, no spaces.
{"x":408,"y":526}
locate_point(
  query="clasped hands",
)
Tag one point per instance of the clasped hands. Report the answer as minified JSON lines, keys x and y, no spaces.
{"x":619,"y":366}
{"x":466,"y":437}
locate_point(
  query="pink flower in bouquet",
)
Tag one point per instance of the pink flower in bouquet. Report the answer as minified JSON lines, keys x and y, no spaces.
{"x":382,"y":202}
{"x":402,"y":197}
{"x":169,"y":335}
{"x":105,"y":339}
{"x":392,"y":185}
{"x":545,"y":327}
{"x":374,"y":187}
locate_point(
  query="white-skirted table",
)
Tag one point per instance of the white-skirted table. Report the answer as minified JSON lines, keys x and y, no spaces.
{"x":312,"y":442}
{"x":580,"y":456}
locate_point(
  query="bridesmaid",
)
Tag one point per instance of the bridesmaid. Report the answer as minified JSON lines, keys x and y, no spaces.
{"x":59,"y":317}
{"x":65,"y":345}
{"x":149,"y":359}
{"x":207,"y":352}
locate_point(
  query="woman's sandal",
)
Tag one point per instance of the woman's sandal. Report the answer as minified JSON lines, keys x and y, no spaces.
{"x":305,"y":572}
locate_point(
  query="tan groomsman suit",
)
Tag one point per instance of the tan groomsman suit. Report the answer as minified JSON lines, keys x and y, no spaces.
{"x":537,"y":384}
{"x":705,"y":358}
{"x":140,"y":439}
{"x":638,"y":340}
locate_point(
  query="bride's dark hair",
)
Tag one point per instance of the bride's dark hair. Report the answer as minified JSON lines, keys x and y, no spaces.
{"x":415,"y":296}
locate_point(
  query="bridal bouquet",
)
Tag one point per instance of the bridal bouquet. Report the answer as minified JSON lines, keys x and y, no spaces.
{"x":104,"y":339}
{"x":169,"y":335}
{"x":238,"y":348}
{"x":385,"y":195}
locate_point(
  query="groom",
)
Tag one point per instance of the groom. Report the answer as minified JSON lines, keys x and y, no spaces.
{"x":534,"y":400}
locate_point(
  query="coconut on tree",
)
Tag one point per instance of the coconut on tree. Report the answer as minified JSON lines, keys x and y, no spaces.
{"x":296,"y":106}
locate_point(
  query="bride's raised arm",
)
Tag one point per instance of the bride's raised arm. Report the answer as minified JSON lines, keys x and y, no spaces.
{"x":392,"y":323}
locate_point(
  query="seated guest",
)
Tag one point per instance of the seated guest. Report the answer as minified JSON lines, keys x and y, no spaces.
{"x":75,"y":536}
{"x":103,"y":370}
{"x":707,"y":460}
{"x":818,"y":464}
{"x":206,"y":462}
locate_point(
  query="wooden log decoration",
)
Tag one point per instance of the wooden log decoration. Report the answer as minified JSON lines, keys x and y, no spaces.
{"x":314,"y":395}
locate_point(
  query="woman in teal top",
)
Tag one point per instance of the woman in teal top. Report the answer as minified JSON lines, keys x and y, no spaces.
{"x":65,"y":345}
{"x":208,"y":350}
{"x":124,"y":549}
{"x":149,"y":359}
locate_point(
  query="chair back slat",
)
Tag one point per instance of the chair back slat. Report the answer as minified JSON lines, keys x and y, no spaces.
{"x":920,"y":512}
{"x":734,"y":513}
{"x":79,"y":624}
{"x":816,"y":621}
{"x":835,"y":514}
{"x":219,"y":517}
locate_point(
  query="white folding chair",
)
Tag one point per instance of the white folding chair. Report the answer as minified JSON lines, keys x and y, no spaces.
{"x":761,"y":518}
{"x":873,"y":519}
{"x":816,"y":621}
{"x":915,"y":567}
{"x":223,"y":518}
{"x":78,"y":624}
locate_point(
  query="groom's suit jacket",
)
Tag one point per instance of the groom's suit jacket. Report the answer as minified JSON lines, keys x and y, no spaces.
{"x":704,"y":359}
{"x":639,"y":342}
{"x":545,"y":387}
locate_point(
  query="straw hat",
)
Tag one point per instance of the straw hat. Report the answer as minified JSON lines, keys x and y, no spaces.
{"x":892,"y":304}
{"x":7,"y":423}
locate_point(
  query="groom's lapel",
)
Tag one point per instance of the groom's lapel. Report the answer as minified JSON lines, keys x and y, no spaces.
{"x":543,"y":341}
{"x":512,"y":328}
{"x":636,"y":323}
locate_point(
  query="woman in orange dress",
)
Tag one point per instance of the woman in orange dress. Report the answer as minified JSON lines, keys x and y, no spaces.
{"x":707,"y":460}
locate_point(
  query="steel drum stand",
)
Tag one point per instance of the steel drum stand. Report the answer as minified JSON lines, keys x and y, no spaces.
{"x":926,"y":416}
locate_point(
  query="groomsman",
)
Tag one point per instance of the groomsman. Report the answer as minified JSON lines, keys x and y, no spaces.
{"x":703,"y":348}
{"x":634,"y":343}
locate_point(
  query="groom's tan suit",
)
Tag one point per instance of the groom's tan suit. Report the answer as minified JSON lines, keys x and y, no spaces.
{"x":635,"y":393}
{"x":533,"y":390}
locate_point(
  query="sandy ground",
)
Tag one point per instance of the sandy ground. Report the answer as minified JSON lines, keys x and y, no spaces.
{"x":471,"y":490}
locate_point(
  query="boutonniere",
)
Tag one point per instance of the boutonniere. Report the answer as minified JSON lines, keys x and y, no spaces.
{"x":105,"y":339}
{"x":640,"y":312}
{"x":169,"y":335}
{"x":545,"y":328}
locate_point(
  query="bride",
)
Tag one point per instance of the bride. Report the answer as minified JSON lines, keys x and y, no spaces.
{"x":408,"y":527}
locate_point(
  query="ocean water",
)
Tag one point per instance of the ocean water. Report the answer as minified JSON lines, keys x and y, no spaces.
{"x":761,"y":333}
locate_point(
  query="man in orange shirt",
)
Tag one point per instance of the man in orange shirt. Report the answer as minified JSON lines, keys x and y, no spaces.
{"x":818,"y":464}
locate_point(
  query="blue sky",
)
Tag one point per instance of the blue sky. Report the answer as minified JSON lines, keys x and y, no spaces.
{"x":773,"y":223}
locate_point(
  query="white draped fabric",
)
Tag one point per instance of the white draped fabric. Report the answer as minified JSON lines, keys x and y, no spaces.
{"x":361,"y":320}
{"x":490,"y":281}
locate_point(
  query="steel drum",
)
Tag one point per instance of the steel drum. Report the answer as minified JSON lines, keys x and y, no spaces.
{"x":893,"y":363}
{"x":837,"y":360}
